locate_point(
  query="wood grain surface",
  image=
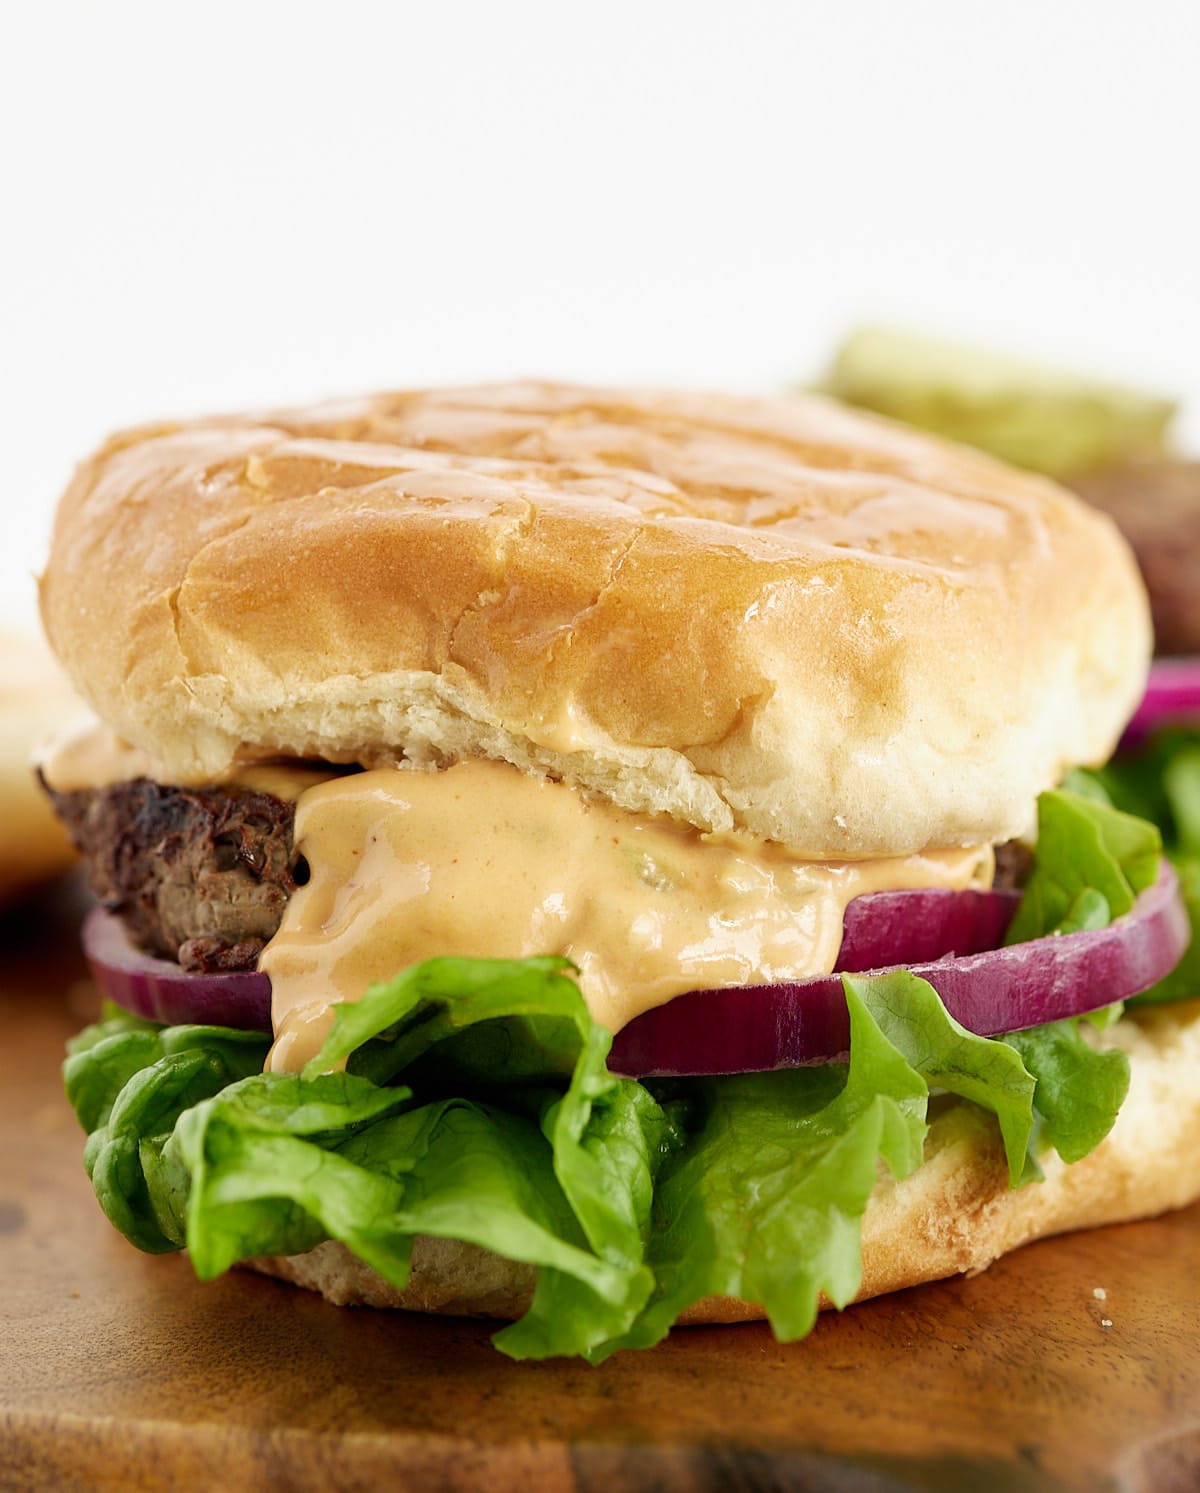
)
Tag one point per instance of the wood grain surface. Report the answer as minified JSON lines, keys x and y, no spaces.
{"x":121,"y":1371}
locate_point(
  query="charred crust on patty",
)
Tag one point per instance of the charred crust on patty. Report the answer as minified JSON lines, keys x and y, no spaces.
{"x":200,"y":875}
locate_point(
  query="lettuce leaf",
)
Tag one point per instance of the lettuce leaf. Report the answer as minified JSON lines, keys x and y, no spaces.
{"x":500,"y":1022}
{"x":764,"y":1201}
{"x":1079,"y":1088}
{"x":950,"y":1058}
{"x":130,"y":1082}
{"x":1091,"y":863}
{"x":544,"y":1021}
{"x":1161,"y":781}
{"x":106,"y":1055}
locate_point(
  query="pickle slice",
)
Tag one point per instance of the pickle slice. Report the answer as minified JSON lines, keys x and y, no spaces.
{"x":1048,"y":421}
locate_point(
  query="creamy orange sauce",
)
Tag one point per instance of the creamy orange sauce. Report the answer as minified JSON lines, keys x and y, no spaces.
{"x":483,"y":860}
{"x":282,"y":780}
{"x":91,"y":755}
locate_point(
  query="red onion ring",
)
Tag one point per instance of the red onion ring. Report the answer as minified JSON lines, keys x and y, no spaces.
{"x":749,"y":1029}
{"x":760,"y":1027}
{"x":889,"y":928}
{"x":1172,"y":698}
{"x":882,"y":927}
{"x":160,"y":990}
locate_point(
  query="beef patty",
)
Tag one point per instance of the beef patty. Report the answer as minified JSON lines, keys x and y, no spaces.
{"x":200,"y":875}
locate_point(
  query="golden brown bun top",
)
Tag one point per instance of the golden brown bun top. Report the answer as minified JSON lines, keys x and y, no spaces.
{"x":772,"y":615}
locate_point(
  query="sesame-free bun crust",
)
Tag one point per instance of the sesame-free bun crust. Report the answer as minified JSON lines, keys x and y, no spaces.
{"x":768,"y":615}
{"x":956,"y":1214}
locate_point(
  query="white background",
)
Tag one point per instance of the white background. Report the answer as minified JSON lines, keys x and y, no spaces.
{"x":209,"y":205}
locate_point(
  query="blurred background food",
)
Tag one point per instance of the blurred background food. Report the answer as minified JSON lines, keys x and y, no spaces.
{"x":1112,"y":444}
{"x":35,"y":703}
{"x":1156,"y":502}
{"x":1045,"y":419}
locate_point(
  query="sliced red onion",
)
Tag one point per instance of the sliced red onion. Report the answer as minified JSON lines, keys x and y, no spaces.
{"x":160,"y":990}
{"x":755,"y":1028}
{"x":885,"y":928}
{"x":1172,"y":698}
{"x":881,"y":927}
{"x":749,"y":1029}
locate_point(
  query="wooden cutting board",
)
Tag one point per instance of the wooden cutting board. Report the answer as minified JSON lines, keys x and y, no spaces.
{"x":118,"y":1370}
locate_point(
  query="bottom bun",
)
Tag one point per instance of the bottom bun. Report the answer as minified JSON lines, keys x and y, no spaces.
{"x":954,"y":1215}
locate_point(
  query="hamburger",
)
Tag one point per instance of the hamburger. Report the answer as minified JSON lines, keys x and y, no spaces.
{"x":602,"y":859}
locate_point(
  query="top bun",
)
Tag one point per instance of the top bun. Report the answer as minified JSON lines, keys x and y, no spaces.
{"x":769,"y":615}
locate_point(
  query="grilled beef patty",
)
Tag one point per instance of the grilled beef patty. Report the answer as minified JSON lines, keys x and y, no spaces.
{"x":200,"y":875}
